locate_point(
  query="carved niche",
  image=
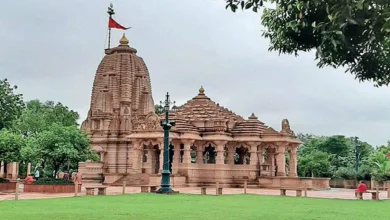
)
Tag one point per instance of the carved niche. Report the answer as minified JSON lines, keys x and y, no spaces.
{"x":149,"y":122}
{"x":152,"y":121}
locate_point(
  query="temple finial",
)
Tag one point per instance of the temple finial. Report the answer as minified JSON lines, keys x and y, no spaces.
{"x":123,"y":40}
{"x":253,"y":116}
{"x":201,"y":91}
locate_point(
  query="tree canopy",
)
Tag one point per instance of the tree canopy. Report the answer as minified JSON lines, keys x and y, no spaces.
{"x":38,"y":116}
{"x":11,"y":104}
{"x":58,"y":146}
{"x":342,"y":157}
{"x":10,"y":146}
{"x":344,"y":33}
{"x":44,"y":133}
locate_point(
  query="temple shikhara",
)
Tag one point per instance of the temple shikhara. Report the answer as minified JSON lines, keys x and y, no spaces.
{"x":209,"y":143}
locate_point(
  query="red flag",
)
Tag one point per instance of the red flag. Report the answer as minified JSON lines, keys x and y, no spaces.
{"x":113,"y":24}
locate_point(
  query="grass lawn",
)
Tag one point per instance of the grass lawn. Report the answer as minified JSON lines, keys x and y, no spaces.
{"x":183,"y":206}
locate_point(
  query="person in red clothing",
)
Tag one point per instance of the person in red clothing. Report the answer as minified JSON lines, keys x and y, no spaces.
{"x":361,"y":188}
{"x":29,"y":179}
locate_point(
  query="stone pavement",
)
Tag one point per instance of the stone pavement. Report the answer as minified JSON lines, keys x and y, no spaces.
{"x":117,"y":190}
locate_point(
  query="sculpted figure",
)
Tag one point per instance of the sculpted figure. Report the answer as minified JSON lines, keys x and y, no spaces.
{"x":286,"y":126}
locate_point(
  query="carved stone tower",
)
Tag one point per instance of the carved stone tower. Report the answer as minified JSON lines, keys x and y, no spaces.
{"x":121,"y":94}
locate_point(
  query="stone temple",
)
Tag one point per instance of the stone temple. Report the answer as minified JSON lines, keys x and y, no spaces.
{"x":209,"y":143}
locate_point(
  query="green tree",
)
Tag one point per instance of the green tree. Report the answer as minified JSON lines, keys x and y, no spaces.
{"x":345,"y":33}
{"x":341,"y":154}
{"x":11,"y":104}
{"x":39,"y":116}
{"x":314,"y":164}
{"x":336,"y":144}
{"x":381,"y":165}
{"x":10,"y":146}
{"x":57,"y":146}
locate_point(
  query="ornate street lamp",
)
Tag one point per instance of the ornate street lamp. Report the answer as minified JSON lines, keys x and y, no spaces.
{"x":166,"y":125}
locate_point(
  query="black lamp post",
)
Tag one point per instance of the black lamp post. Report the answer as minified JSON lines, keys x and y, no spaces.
{"x":166,"y":125}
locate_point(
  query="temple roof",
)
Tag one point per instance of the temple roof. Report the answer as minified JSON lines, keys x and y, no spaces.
{"x":202,"y":108}
{"x":251,"y":126}
{"x":202,"y":116}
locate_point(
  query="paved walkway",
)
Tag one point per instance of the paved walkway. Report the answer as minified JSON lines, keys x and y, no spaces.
{"x":114,"y":190}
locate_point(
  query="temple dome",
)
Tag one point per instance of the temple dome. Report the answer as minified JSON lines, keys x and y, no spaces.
{"x":121,"y":90}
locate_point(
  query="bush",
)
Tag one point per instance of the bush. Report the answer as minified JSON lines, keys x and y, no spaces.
{"x":2,"y":180}
{"x":52,"y":181}
{"x":364,"y":173}
{"x":346,"y":173}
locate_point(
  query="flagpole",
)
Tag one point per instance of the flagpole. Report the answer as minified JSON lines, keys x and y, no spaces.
{"x":110,"y":13}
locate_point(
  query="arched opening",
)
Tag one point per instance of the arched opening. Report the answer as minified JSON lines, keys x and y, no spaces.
{"x":241,"y":156}
{"x":145,"y":154}
{"x":193,"y":154}
{"x":209,"y":155}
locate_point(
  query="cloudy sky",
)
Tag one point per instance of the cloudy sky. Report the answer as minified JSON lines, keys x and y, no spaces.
{"x":51,"y":49}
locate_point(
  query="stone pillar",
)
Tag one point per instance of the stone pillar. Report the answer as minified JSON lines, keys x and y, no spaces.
{"x":137,"y":155}
{"x":176,"y":159}
{"x":112,"y":158}
{"x":220,"y":150}
{"x":121,"y":157}
{"x":1,"y":169}
{"x":161,"y":159}
{"x":293,"y":163}
{"x":253,"y":153}
{"x":260,"y":156}
{"x":271,"y":161}
{"x":253,"y":158}
{"x":187,"y":152}
{"x":281,"y":160}
{"x":199,"y":155}
{"x":149,"y":156}
{"x":12,"y":170}
{"x":102,"y":156}
{"x":28,"y":171}
{"x":230,"y":156}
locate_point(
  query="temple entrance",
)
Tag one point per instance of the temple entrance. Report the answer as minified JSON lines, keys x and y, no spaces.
{"x":209,"y":155}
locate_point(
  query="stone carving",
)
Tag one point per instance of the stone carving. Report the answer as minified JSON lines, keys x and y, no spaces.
{"x":149,"y":122}
{"x":286,"y":127}
{"x":152,"y":121}
{"x":97,"y":124}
